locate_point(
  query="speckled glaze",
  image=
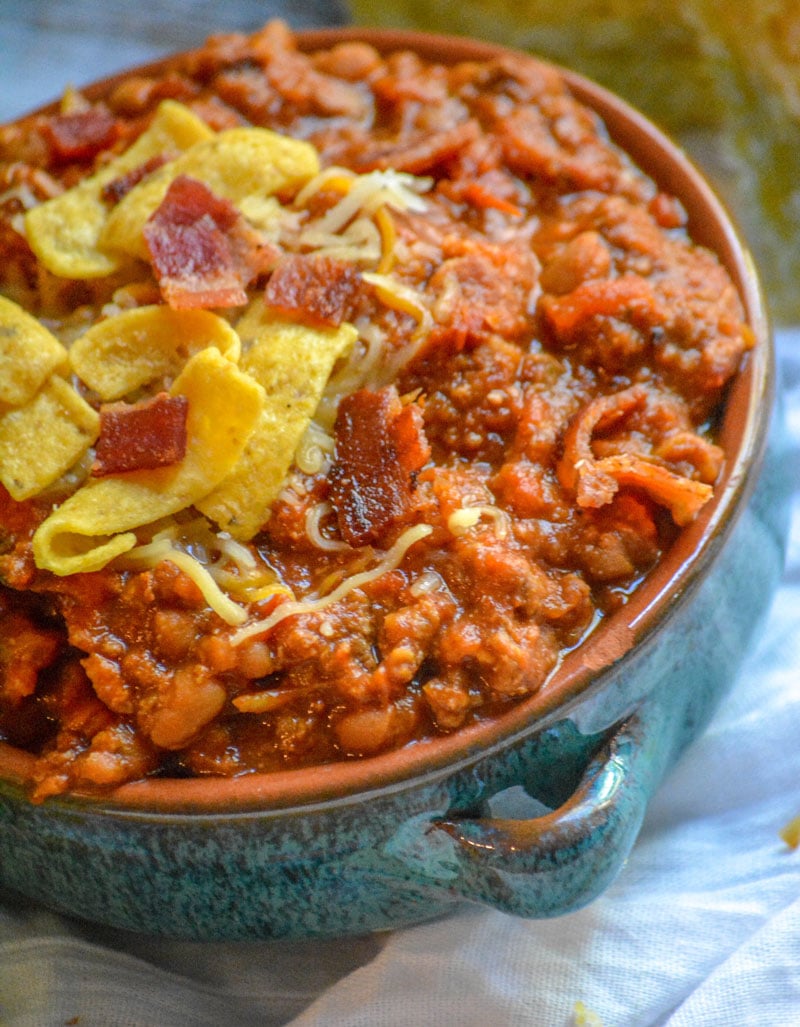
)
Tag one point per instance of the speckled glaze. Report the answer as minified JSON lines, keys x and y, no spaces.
{"x":402,"y":838}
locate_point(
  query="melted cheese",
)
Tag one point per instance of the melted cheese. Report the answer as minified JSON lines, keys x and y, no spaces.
{"x":466,"y":517}
{"x":390,"y":561}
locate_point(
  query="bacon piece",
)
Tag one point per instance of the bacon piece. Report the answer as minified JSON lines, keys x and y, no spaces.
{"x":195,"y":243}
{"x":141,"y":436}
{"x":317,"y":290}
{"x":114,"y":191}
{"x":380,"y":446}
{"x":82,"y":135}
{"x":700,"y":455}
{"x":595,"y":482}
{"x":683,"y":497}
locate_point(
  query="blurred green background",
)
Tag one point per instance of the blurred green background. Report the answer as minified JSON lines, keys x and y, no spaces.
{"x":720,"y":76}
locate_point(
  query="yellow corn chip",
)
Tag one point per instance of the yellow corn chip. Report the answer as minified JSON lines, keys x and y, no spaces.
{"x":293,"y":363}
{"x":97,"y":522}
{"x":236,"y":164}
{"x":123,"y":352}
{"x":64,"y":232}
{"x":41,"y":440}
{"x":264,"y":213}
{"x":29,"y":354}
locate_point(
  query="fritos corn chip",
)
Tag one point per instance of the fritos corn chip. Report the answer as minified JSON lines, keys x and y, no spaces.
{"x":238,"y":164}
{"x":41,"y":440}
{"x":29,"y":354}
{"x":293,"y":363}
{"x":124,"y":352}
{"x":97,"y":522}
{"x":65,"y":232}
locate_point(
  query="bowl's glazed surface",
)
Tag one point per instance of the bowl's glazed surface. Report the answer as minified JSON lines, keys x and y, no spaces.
{"x":399,"y":838}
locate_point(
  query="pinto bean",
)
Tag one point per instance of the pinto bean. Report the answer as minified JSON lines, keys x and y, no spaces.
{"x":190,"y":701}
{"x":368,"y":731}
{"x":584,"y":257}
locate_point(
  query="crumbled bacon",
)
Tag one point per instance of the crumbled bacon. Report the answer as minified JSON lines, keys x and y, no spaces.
{"x":82,"y":135}
{"x":595,"y":482}
{"x":203,"y":253}
{"x":141,"y":436}
{"x":114,"y":191}
{"x":380,"y":445}
{"x":315,"y":289}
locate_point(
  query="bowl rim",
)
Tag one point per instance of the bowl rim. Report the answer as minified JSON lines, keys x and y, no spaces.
{"x":582,"y":671}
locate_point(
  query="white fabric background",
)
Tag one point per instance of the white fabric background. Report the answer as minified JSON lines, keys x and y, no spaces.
{"x":701,"y":928}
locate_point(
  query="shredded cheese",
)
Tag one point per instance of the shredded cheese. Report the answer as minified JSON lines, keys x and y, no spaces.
{"x":359,"y":243}
{"x":428,"y":581}
{"x":152,"y":553}
{"x":235,"y":570}
{"x":366,"y":193}
{"x":236,"y":552}
{"x":361,"y":366}
{"x":334,"y":178}
{"x":399,"y":296}
{"x":23,"y":194}
{"x":222,"y":604}
{"x":315,"y":450}
{"x":391,"y":560}
{"x":249,"y":586}
{"x":461,"y":520}
{"x":314,"y":516}
{"x":359,"y":227}
{"x":385,"y":223}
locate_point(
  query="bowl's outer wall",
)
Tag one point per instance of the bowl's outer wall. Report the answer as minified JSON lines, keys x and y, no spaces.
{"x":384,"y":858}
{"x":380,"y":861}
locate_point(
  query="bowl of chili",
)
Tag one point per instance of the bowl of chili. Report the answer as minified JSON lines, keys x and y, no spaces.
{"x":408,"y":437}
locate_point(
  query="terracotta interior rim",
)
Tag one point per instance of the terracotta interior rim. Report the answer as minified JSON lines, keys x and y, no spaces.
{"x":583,"y":670}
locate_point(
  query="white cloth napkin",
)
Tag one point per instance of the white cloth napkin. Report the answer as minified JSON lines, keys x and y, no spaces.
{"x":702,"y":927}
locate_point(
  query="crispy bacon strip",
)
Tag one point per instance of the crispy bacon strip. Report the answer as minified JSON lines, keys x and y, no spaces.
{"x":141,"y":436}
{"x":596,"y":482}
{"x":82,"y":135}
{"x":380,"y":445}
{"x":317,"y":290}
{"x":202,"y":253}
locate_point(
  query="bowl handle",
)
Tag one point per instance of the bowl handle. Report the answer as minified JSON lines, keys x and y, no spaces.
{"x":560,"y":861}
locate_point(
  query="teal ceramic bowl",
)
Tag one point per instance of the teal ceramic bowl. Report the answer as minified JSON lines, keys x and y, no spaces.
{"x":404,"y":837}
